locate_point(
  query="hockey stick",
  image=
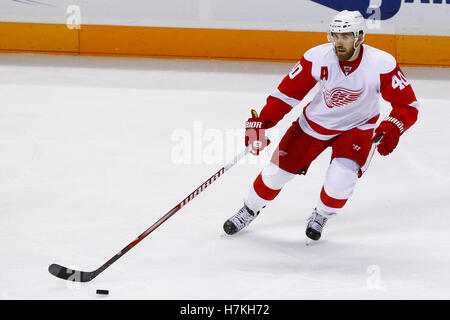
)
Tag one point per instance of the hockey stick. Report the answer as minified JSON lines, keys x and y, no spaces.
{"x":85,"y":276}
{"x":377,"y":138}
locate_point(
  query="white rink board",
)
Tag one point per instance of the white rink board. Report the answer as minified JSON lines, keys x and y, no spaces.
{"x":294,"y":15}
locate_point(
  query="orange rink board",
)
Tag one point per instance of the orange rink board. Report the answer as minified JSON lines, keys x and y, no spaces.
{"x":259,"y":45}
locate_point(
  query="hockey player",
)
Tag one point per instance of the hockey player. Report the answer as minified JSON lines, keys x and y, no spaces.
{"x":343,"y":115}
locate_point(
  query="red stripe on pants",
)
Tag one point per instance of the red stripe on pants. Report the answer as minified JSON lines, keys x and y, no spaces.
{"x":331,"y":202}
{"x":264,"y":191}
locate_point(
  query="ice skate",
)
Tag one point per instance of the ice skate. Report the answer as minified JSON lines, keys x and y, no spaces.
{"x":240,"y":220}
{"x":316,"y":222}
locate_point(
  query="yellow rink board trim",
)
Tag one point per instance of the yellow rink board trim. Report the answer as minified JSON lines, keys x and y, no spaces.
{"x":200,"y":43}
{"x":38,"y":37}
{"x":423,"y":50}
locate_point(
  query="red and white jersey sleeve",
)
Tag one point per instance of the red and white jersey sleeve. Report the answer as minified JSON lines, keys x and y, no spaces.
{"x":348,"y":95}
{"x":398,"y":91}
{"x":294,"y":87}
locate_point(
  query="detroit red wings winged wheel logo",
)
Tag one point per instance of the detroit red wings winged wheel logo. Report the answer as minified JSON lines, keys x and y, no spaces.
{"x":339,"y":97}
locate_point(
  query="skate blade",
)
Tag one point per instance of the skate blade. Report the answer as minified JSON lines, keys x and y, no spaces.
{"x":308,"y":242}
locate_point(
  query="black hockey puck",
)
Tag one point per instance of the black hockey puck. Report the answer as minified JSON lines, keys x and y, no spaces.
{"x":106,"y":292}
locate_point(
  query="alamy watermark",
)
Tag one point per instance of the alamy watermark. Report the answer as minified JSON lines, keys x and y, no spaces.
{"x":200,"y":145}
{"x":373,"y":22}
{"x":73,"y":20}
{"x":373,"y":282}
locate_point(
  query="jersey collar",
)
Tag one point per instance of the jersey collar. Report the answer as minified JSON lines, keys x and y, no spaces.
{"x":348,"y":67}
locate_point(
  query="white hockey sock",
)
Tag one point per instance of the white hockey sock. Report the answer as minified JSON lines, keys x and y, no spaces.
{"x":267,"y":186}
{"x":340,"y":181}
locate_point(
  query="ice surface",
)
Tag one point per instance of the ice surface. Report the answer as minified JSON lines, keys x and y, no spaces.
{"x":87,"y":163}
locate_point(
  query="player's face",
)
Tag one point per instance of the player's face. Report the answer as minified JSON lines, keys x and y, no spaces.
{"x":344,"y":45}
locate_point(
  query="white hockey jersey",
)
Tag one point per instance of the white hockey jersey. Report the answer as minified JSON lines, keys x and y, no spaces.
{"x":349,"y":92}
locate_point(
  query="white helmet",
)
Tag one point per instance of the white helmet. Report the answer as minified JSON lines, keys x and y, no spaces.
{"x":347,"y":21}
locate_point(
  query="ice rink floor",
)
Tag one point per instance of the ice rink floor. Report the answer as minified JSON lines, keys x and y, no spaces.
{"x":94,"y":150}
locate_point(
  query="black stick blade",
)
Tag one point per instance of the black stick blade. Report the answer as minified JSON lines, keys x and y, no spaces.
{"x":377,"y":138}
{"x":69,"y":274}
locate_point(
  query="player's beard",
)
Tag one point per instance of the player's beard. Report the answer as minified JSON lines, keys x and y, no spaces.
{"x":344,"y":56}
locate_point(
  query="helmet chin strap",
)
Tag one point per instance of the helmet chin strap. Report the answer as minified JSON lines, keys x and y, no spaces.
{"x":354,"y":45}
{"x":355,"y":51}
